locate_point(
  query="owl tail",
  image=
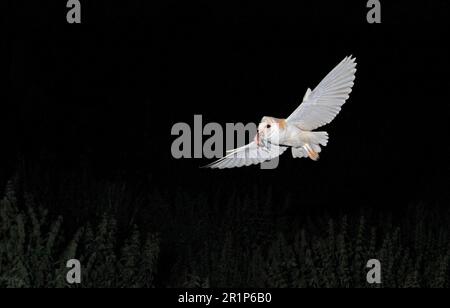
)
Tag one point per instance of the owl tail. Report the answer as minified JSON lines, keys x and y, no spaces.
{"x":312,"y":149}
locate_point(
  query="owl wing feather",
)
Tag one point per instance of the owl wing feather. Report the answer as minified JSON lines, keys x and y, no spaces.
{"x":247,"y":155}
{"x":320,"y":106}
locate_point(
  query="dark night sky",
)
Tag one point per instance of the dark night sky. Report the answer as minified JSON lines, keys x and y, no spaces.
{"x":107,"y":92}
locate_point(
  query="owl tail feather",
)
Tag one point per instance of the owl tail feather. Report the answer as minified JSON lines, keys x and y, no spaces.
{"x":311,"y":149}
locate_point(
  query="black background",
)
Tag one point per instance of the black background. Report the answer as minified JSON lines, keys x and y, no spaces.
{"x":104,"y":95}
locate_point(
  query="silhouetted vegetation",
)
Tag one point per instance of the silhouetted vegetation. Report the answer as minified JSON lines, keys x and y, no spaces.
{"x":195,"y":241}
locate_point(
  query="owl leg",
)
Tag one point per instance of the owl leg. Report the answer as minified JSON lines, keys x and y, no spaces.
{"x":311,"y":153}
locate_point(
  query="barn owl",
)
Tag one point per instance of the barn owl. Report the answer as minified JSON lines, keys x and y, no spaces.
{"x":319,"y":107}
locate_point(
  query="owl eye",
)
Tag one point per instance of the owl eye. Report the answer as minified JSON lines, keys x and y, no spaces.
{"x":268,"y":126}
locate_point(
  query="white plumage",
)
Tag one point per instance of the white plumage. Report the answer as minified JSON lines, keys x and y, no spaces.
{"x":319,"y":107}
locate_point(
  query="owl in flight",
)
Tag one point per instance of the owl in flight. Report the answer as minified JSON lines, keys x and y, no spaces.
{"x":275,"y":136}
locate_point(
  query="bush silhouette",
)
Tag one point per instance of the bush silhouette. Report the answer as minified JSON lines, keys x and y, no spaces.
{"x":185,"y":241}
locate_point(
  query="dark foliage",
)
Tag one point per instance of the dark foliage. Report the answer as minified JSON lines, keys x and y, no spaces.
{"x":186,"y":241}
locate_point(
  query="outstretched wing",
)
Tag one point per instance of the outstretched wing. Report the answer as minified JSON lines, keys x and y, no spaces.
{"x":247,"y":155}
{"x":320,"y":107}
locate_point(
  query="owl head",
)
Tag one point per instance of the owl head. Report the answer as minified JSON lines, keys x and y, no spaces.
{"x":270,"y":129}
